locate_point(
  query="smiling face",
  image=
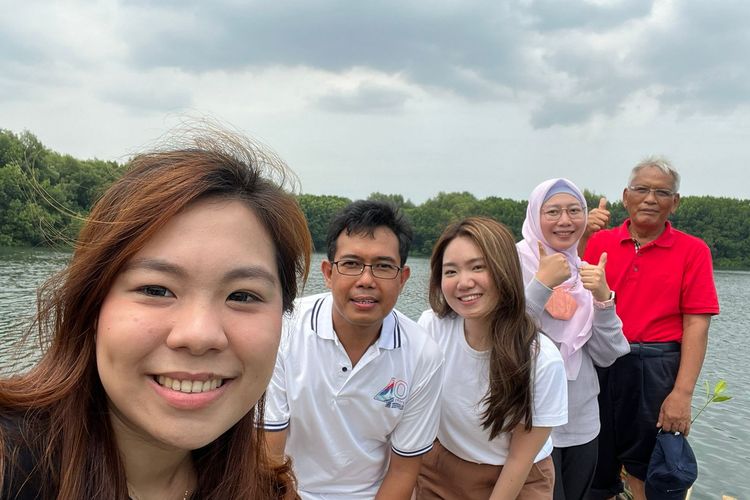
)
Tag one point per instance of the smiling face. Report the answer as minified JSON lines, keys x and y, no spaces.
{"x":360,"y":303}
{"x":187,"y":335}
{"x":466,"y":283}
{"x":650,"y":212}
{"x":564,"y":232}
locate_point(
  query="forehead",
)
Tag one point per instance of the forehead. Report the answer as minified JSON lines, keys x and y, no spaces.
{"x":652,"y":176}
{"x":562,"y":199}
{"x":383,"y":243}
{"x":460,"y":249}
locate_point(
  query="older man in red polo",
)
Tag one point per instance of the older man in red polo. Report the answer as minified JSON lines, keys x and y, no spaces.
{"x":665,"y":296}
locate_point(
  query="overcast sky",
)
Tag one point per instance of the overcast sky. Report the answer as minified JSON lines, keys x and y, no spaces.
{"x":407,"y":97}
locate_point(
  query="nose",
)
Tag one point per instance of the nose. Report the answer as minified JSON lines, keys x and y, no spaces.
{"x":465,"y":281}
{"x":564,"y":218}
{"x":198,"y":329}
{"x":651,"y":196}
{"x":366,"y":279}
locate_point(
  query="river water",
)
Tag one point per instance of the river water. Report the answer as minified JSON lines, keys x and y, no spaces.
{"x":720,"y":436}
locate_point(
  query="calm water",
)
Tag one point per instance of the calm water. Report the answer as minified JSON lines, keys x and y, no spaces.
{"x":720,"y":437}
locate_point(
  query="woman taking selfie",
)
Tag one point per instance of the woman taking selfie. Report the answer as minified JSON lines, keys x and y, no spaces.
{"x":504,"y":386}
{"x":159,"y":338}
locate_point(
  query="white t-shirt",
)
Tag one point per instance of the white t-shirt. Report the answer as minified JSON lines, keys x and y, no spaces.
{"x":343,"y":421}
{"x":466,"y":381}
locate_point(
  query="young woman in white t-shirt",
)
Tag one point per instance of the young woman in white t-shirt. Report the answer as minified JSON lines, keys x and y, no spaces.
{"x":504,"y":387}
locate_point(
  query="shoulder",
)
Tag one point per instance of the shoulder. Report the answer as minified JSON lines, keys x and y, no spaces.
{"x":548,"y":353}
{"x":689,"y":241}
{"x":418,"y":336}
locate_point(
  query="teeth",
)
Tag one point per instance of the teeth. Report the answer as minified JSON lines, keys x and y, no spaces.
{"x":470,"y":297}
{"x":189,"y":386}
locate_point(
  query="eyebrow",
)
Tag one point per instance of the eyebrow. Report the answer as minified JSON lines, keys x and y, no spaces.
{"x":357,"y":257}
{"x":559,"y":205}
{"x":469,"y":262}
{"x":162,"y":266}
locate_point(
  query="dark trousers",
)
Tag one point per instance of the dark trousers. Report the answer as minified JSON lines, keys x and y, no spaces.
{"x":574,"y":470}
{"x":630,"y":398}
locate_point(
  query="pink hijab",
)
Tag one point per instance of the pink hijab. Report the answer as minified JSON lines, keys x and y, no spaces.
{"x":572,"y":334}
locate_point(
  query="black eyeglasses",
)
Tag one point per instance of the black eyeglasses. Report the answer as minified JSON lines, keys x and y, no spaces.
{"x":381,"y":270}
{"x":643,"y":191}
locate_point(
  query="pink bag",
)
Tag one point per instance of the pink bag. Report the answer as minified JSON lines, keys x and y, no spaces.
{"x":561,"y":304}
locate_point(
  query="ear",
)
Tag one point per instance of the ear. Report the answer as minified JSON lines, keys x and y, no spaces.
{"x":625,"y":197}
{"x":676,"y":203}
{"x":405,"y":273}
{"x":326,"y":268}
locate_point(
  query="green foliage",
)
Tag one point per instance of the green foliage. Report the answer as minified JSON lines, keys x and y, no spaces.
{"x":319,"y":210}
{"x":45,"y":195}
{"x":716,"y":396}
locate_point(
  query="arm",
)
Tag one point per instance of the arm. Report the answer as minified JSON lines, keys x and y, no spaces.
{"x":537,"y":295}
{"x":598,"y":219}
{"x":607,"y":342}
{"x":524,"y":446}
{"x":400,"y":478}
{"x":674,"y":415}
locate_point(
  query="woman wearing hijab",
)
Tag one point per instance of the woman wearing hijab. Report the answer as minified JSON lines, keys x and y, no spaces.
{"x":575,"y":308}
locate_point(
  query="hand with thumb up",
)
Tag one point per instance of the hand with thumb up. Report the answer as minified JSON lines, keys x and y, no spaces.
{"x":598,"y":218}
{"x":553,"y":269}
{"x":594,"y":278}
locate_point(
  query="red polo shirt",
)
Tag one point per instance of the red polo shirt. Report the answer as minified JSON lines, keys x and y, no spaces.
{"x":668,"y":277}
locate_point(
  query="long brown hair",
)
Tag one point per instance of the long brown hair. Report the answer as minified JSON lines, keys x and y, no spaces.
{"x":61,"y":399}
{"x":512,"y":330}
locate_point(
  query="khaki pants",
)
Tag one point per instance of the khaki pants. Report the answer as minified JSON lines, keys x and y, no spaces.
{"x":445,"y":476}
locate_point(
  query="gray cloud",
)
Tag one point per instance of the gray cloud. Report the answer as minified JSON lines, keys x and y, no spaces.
{"x":365,"y":98}
{"x":538,"y":50}
{"x":547,"y":15}
{"x":148,"y":99}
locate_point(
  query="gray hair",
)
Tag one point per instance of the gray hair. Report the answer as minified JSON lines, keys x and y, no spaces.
{"x":662,"y":164}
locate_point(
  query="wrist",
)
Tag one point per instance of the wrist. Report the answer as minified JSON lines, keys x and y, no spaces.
{"x":607,"y":302}
{"x":683,"y":391}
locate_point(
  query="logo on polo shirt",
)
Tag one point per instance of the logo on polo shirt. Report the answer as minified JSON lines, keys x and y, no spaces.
{"x":393,"y":394}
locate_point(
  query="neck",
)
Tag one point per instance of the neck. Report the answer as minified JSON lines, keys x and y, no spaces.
{"x":355,"y":339}
{"x":645,"y":234}
{"x":153,"y":471}
{"x":477,"y":333}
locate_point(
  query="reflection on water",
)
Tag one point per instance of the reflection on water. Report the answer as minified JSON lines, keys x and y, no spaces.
{"x":719,"y":437}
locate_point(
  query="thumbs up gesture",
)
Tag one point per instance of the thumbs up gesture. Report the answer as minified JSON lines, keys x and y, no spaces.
{"x":598,"y":217}
{"x":553,"y":269}
{"x":594,"y":278}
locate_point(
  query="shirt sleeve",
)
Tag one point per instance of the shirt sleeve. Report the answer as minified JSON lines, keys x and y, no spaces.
{"x":550,"y":387}
{"x":698,"y":292}
{"x":417,"y":429}
{"x":537,"y":295}
{"x":277,"y":406}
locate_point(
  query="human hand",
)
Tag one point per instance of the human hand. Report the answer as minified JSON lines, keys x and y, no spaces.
{"x":598,"y":217}
{"x":674,"y":415}
{"x":594,"y":278}
{"x":553,"y":269}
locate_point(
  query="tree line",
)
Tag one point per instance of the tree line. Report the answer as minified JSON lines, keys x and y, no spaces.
{"x":45,"y":195}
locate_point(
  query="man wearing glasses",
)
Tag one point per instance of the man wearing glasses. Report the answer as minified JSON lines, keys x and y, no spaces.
{"x":354,"y":395}
{"x":666,"y":296}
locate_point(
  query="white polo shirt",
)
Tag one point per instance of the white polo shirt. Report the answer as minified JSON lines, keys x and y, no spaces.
{"x":466,"y":374}
{"x":342,"y":421}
